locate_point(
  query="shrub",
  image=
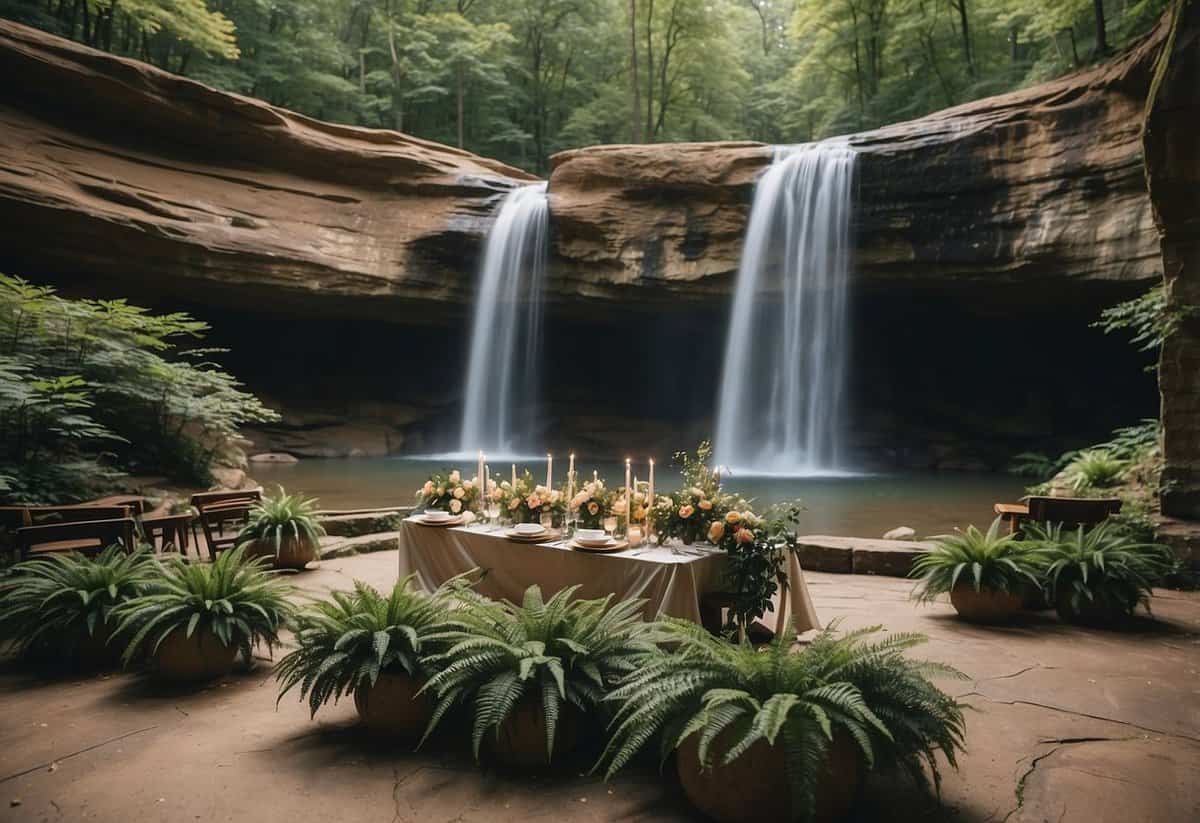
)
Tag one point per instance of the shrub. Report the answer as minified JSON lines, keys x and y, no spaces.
{"x":556,"y":651}
{"x":235,"y":597}
{"x":1094,"y":469}
{"x":988,"y":561}
{"x":1102,"y":570}
{"x":57,"y":603}
{"x":854,"y":683}
{"x":346,"y":642}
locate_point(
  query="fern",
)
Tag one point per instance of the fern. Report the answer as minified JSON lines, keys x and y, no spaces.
{"x":988,"y":561}
{"x":563,"y":652}
{"x":280,"y":517}
{"x":733,"y":696}
{"x":235,"y":597}
{"x":346,"y":642}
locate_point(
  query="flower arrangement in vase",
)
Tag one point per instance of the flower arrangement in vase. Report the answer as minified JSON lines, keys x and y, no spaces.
{"x":757,"y":548}
{"x":450,"y":493}
{"x":592,"y":503}
{"x":526,"y":501}
{"x":689,"y":513}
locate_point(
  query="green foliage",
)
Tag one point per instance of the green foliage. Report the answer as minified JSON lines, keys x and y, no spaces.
{"x":1034,"y":465}
{"x":346,"y":642}
{"x":521,"y":79}
{"x":235,"y":597}
{"x":281,"y":516}
{"x":1094,"y":469}
{"x":57,"y":602}
{"x":733,"y":695}
{"x":989,"y":561}
{"x":1099,"y":568}
{"x":89,"y":388}
{"x":1149,"y":319}
{"x":556,"y":651}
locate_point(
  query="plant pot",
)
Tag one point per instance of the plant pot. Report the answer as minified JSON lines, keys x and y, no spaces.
{"x":95,"y":652}
{"x":1094,"y":613}
{"x":522,"y":736}
{"x":293,"y":553}
{"x":1035,"y":599}
{"x":985,"y":606}
{"x":755,"y":786}
{"x":392,"y":706}
{"x":200,"y":657}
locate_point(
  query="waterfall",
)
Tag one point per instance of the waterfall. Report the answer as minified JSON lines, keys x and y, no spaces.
{"x":502,"y":390}
{"x":782,"y":397}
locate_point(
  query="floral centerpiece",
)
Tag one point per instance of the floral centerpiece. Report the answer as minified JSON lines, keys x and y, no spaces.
{"x":450,"y":493}
{"x":757,"y":548}
{"x":526,"y":501}
{"x":689,"y":513}
{"x":592,"y":503}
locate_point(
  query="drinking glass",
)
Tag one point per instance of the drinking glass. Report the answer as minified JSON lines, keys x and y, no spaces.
{"x":610,"y":524}
{"x":493,"y":513}
{"x":547,"y":519}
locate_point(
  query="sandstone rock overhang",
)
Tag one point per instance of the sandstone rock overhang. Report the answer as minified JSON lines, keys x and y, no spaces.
{"x":130,"y":180}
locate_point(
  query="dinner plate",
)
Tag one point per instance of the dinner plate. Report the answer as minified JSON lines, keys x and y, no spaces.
{"x":450,"y":521}
{"x":613,"y":546}
{"x":544,"y":536}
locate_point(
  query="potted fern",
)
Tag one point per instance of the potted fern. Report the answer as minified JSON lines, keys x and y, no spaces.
{"x":780,"y":735}
{"x":195,"y":617}
{"x":526,"y":670}
{"x":370,"y":645}
{"x":986,"y":574}
{"x":285,"y":528}
{"x":1099,"y":576}
{"x":60,"y":607}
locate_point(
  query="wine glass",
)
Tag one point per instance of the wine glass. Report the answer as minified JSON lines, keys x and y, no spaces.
{"x":493,"y":512}
{"x":610,"y":524}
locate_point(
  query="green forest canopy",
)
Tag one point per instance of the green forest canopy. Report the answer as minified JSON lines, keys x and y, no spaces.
{"x":521,"y":79}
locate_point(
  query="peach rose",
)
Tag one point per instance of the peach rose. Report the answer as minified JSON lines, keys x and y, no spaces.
{"x":455,"y":476}
{"x":619,"y":507}
{"x":455,"y":506}
{"x":686,"y":511}
{"x":514,"y":504}
{"x":706,"y":505}
{"x":427,"y":489}
{"x":745,"y":536}
{"x":459,"y":493}
{"x":497,"y":495}
{"x":593,"y":508}
{"x":533,"y":501}
{"x":639,"y":513}
{"x":716,"y":531}
{"x":697,"y":491}
{"x":733,"y":518}
{"x":441,"y":490}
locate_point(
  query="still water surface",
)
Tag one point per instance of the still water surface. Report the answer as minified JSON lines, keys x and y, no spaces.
{"x":860,"y":506}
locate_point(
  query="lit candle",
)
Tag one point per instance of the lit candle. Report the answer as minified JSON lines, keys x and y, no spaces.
{"x":486,"y":475}
{"x":514,"y":475}
{"x":635,"y":536}
{"x":633,"y":494}
{"x":480,"y":474}
{"x":571,"y":477}
{"x":650,"y":501}
{"x":628,"y":494}
{"x":549,"y":472}
{"x":595,"y":477}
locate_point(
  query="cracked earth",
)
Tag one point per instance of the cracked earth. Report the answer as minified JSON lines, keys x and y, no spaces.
{"x":1066,"y":724}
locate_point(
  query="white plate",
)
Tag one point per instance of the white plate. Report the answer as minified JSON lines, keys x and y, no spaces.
{"x":436,"y":514}
{"x":591,"y":535}
{"x":528,"y":529}
{"x":597,"y":544}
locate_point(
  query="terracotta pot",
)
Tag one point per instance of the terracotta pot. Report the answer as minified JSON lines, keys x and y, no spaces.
{"x":985,"y":606}
{"x":522,"y":737}
{"x":755,"y":787}
{"x":200,"y":657}
{"x":392,"y":706}
{"x":292,"y":554}
{"x":1034,"y":599}
{"x":95,"y":652}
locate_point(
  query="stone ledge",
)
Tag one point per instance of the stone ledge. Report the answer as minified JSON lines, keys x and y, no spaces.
{"x":362,"y":544}
{"x":361,"y":523}
{"x":859,"y":555}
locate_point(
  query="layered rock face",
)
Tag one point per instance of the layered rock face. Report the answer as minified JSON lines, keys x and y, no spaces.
{"x":1173,"y":175}
{"x":114,"y":170}
{"x":1042,"y":187}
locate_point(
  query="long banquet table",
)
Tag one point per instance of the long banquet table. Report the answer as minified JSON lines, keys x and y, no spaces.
{"x":672,"y":582}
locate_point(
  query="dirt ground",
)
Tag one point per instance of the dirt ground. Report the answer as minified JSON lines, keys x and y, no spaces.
{"x":1067,"y":724}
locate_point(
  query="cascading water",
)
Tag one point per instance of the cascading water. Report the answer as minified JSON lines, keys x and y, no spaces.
{"x":502,"y":373}
{"x":783,"y":387}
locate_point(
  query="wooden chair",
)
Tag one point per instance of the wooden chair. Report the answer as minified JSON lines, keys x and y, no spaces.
{"x":46,"y":515}
{"x":1071,"y":512}
{"x":86,"y":536}
{"x":167,"y":532}
{"x":221,"y":516}
{"x":136,"y":503}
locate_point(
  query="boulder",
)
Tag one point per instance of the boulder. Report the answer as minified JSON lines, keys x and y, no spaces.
{"x":273,"y":457}
{"x":898,"y":533}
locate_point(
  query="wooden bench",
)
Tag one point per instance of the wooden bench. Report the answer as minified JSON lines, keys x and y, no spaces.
{"x":85,"y":536}
{"x":1071,"y":512}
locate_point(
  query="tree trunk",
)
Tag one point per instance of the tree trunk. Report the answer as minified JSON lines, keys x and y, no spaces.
{"x":961,"y":5}
{"x":458,"y":94}
{"x":649,"y":66}
{"x":636,"y":111}
{"x":1101,"y":34}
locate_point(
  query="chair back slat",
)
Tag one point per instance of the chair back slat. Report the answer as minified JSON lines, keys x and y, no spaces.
{"x":1073,"y":511}
{"x":87,"y":536}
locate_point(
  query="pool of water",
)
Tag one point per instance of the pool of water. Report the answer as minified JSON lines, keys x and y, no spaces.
{"x":859,"y":506}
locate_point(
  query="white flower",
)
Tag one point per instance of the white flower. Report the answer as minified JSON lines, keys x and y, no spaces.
{"x":455,"y":506}
{"x":459,"y":492}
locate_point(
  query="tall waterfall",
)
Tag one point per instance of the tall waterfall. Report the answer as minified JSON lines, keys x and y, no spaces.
{"x":783,"y":388}
{"x":502,"y":375}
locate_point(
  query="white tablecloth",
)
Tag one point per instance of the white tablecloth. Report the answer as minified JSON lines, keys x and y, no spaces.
{"x":672,"y":583}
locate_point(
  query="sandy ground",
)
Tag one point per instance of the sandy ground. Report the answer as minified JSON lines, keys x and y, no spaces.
{"x":1068,"y":725}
